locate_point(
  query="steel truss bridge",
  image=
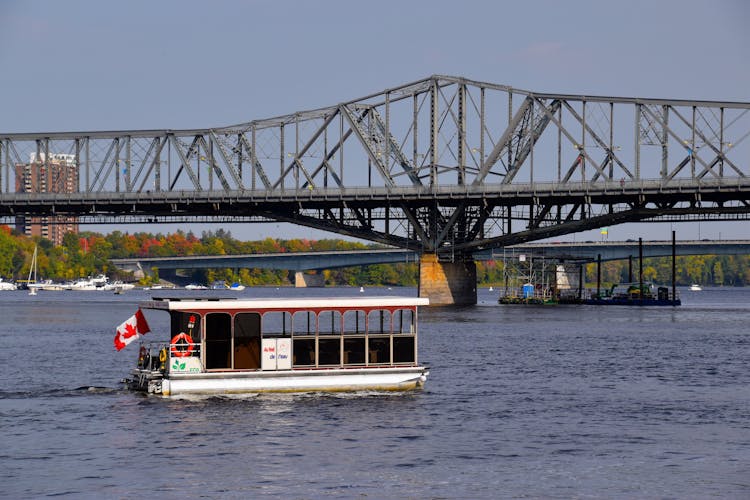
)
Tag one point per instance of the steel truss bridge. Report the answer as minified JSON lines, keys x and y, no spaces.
{"x":443,"y":165}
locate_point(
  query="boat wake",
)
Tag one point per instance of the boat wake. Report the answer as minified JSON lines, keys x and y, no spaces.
{"x":282,"y":397}
{"x":60,"y":392}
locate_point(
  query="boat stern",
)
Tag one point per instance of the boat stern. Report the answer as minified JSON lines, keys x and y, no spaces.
{"x":149,"y":374}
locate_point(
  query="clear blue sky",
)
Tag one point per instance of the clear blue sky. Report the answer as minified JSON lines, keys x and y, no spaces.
{"x":137,"y":64}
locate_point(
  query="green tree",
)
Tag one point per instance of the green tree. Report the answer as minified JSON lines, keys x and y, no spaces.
{"x":718,"y":274}
{"x":8,"y":246}
{"x":649,"y":273}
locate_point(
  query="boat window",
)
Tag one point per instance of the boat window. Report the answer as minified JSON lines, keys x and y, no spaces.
{"x":354,"y":322}
{"x":247,"y":341}
{"x":303,"y":352}
{"x":354,"y":351}
{"x":277,"y":324}
{"x":329,"y":351}
{"x":379,"y":321}
{"x":379,"y":350}
{"x":329,"y":322}
{"x":303,"y":323}
{"x":403,"y":349}
{"x":218,"y":341}
{"x":186,"y":322}
{"x":403,"y":321}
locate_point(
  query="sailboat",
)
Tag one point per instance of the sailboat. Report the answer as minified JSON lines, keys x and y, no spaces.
{"x":32,"y":269}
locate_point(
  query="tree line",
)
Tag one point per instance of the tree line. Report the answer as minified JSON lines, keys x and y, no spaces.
{"x":90,"y":253}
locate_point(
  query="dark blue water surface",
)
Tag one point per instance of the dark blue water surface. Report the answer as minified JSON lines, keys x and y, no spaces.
{"x":529,"y":402}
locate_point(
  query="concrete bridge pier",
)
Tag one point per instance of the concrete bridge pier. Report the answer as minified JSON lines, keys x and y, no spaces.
{"x":448,"y":283}
{"x":303,"y":280}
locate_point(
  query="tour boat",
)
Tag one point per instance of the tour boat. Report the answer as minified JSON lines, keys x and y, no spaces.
{"x":231,"y":346}
{"x":695,"y":287}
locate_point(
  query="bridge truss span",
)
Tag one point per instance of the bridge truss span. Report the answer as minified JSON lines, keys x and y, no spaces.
{"x":442,"y":165}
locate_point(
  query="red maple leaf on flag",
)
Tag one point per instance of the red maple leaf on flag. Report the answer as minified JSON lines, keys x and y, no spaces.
{"x":130,"y":331}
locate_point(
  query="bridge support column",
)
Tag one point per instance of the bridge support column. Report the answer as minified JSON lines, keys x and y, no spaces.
{"x":302,"y":280}
{"x":138,"y":272}
{"x":448,"y":283}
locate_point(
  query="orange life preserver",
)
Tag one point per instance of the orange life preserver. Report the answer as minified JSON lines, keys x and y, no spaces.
{"x":181,"y":345}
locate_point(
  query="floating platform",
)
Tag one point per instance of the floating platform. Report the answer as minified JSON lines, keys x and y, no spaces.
{"x":634,"y":294}
{"x":614,"y":301}
{"x":526,"y":301}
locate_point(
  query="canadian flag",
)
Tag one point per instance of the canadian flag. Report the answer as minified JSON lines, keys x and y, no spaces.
{"x":131,"y":329}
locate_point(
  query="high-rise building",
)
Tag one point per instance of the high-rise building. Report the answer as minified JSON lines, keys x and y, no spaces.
{"x":58,"y":174}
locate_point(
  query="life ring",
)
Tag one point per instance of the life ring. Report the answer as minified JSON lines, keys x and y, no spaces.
{"x":181,"y":345}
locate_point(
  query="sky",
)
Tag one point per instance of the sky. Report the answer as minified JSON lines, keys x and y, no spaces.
{"x":86,"y":65}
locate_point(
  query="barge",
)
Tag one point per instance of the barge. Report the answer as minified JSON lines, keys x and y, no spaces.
{"x":634,"y":294}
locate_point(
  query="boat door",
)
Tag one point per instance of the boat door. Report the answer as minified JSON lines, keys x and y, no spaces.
{"x":232,"y":343}
{"x":218,"y":341}
{"x":247,"y":341}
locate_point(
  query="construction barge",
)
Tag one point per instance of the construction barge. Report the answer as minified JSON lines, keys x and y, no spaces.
{"x":549,"y":284}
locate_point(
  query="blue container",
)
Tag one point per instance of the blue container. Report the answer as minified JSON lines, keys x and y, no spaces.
{"x":528,"y":291}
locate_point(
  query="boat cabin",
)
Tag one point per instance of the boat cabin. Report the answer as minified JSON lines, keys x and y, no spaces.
{"x":219,"y":335}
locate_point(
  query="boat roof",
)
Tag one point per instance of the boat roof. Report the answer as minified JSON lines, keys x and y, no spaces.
{"x":256,"y":304}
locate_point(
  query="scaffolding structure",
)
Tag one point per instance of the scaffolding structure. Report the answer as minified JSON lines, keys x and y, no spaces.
{"x":528,"y":278}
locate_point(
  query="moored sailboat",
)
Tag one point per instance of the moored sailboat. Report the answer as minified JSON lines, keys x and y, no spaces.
{"x":32,"y":268}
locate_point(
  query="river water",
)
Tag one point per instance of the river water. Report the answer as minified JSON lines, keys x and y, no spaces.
{"x":522,"y":402}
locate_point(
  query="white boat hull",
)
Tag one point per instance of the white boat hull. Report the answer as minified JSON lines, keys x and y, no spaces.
{"x":334,"y":380}
{"x":52,"y":287}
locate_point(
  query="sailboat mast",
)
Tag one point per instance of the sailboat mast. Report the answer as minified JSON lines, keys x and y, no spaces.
{"x":32,"y":267}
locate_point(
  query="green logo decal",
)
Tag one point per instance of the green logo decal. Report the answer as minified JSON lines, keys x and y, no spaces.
{"x":177,"y":365}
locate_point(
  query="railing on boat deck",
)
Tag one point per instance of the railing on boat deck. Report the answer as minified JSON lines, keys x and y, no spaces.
{"x":354,"y":350}
{"x":154,"y":360}
{"x":521,"y":295}
{"x":331,"y":351}
{"x":636,"y":292}
{"x":570,"y":296}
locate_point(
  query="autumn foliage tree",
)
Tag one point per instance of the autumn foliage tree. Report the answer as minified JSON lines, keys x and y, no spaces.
{"x":90,"y":253}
